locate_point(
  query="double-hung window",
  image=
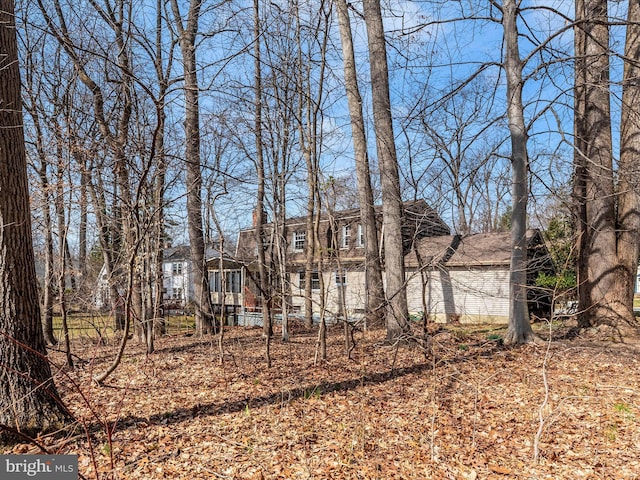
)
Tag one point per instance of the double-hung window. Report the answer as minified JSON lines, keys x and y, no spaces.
{"x":360,"y":238}
{"x":298,"y":241}
{"x":315,"y":280}
{"x":346,"y":236}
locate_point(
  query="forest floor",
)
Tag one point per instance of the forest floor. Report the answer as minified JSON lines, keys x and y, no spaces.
{"x":469,"y":408}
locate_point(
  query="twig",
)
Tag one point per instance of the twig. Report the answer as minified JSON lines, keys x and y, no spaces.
{"x":541,"y":419}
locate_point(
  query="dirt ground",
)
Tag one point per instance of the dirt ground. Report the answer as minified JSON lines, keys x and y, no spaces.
{"x":467,"y":408}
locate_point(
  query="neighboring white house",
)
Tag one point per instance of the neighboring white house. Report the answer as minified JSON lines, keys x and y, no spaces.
{"x":637,"y":290}
{"x":177,"y":283}
{"x":466,"y":279}
{"x":177,"y":277}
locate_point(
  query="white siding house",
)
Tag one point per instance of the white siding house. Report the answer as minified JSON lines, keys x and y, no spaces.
{"x":466,"y":279}
{"x":177,"y":277}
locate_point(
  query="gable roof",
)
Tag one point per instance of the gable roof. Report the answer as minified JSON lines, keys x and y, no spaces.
{"x":481,"y":249}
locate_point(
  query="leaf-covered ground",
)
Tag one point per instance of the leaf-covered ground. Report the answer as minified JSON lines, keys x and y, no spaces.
{"x":470,"y":408}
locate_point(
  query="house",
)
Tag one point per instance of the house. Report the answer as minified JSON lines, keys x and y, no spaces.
{"x":177,"y":277}
{"x":466,"y":279}
{"x":226,"y":283}
{"x":637,"y":289}
{"x":341,"y":255}
{"x":177,"y":281}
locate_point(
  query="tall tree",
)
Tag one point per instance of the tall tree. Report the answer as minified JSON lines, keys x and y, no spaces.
{"x":29,"y":401}
{"x":188,"y":32}
{"x":397,"y":310}
{"x":260,"y":220}
{"x":607,"y":201}
{"x":373,"y":268}
{"x":519,"y":330}
{"x":628,"y":208}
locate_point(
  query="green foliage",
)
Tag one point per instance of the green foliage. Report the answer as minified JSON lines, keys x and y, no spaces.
{"x":106,"y":449}
{"x":504,"y":223}
{"x":622,"y":407}
{"x":494,"y":337}
{"x":562,"y":282}
{"x":313,"y":393}
{"x":559,"y":236}
{"x":611,"y":432}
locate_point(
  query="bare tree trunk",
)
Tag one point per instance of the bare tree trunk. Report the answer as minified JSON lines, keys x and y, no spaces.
{"x":265,"y":295}
{"x":48,"y":287}
{"x":116,"y":138}
{"x":82,"y":228}
{"x":373,"y":269}
{"x":594,"y":179}
{"x":48,"y":294}
{"x":187,"y":42}
{"x":629,"y":177}
{"x":62,"y":257}
{"x":397,"y":310}
{"x":519,"y":330}
{"x":29,"y":401}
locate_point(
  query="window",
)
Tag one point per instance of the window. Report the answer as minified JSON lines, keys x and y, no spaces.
{"x":233,"y":281}
{"x":214,"y":281}
{"x":360,"y":239}
{"x":346,"y":236}
{"x":341,"y":278}
{"x":176,"y":269}
{"x":298,"y":241}
{"x":177,"y":294}
{"x":315,"y":280}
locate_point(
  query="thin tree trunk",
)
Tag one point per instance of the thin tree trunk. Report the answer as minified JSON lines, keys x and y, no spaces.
{"x":62,"y":257}
{"x":187,"y":41}
{"x":260,"y":220}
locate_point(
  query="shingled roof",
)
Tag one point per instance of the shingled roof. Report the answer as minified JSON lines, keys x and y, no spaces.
{"x":481,"y":249}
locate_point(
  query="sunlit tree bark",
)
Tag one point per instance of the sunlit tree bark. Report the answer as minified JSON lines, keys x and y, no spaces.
{"x":396,"y":313}
{"x":29,"y":401}
{"x":373,"y":268}
{"x":519,"y":330}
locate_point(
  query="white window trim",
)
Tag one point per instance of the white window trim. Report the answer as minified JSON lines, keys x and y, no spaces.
{"x":360,"y":237}
{"x":297,"y":237}
{"x":345,"y":238}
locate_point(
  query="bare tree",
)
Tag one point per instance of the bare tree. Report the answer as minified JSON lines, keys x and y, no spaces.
{"x":519,"y":330}
{"x":373,"y":268}
{"x":397,"y":311}
{"x":29,"y":402}
{"x":607,"y":213}
{"x":188,"y":32}
{"x":259,"y":214}
{"x":628,"y":188}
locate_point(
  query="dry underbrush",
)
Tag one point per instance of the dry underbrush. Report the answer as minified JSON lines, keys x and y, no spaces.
{"x":468,"y":408}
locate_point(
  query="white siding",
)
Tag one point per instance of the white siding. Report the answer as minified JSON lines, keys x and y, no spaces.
{"x":354,"y":292}
{"x":174,"y":281}
{"x":469,"y":296}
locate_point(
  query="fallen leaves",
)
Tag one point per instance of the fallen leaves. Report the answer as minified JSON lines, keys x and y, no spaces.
{"x":469,"y":414}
